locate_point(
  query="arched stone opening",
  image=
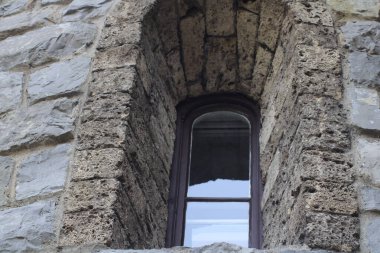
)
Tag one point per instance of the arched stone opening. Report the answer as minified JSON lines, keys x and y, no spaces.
{"x":154,"y":54}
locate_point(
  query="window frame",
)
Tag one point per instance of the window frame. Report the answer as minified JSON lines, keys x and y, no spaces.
{"x":187,"y":112}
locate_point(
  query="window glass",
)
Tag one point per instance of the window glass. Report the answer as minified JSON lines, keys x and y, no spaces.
{"x":208,"y":223}
{"x":220,"y":156}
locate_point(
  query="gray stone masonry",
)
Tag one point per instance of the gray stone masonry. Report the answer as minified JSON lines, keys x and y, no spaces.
{"x":10,"y":90}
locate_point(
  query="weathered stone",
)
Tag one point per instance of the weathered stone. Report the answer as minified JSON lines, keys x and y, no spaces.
{"x":6,"y":167}
{"x":46,"y":2}
{"x":220,"y":16}
{"x":369,"y":199}
{"x":250,"y":5}
{"x":85,"y":9}
{"x":364,"y":69}
{"x":271,"y":176}
{"x":117,"y":57}
{"x":247,"y":24}
{"x":332,"y":232}
{"x":192,"y":36}
{"x":11,"y":90}
{"x":318,"y":58}
{"x":28,"y":228}
{"x":25,"y":21}
{"x":43,"y":173}
{"x":45,"y":122}
{"x":365,"y":108}
{"x":63,"y":78}
{"x":271,"y":16}
{"x":260,"y":71}
{"x":185,"y":5}
{"x":175,"y":66}
{"x":367,"y":8}
{"x":103,"y":163}
{"x":367,"y":160}
{"x":9,"y":7}
{"x":370,"y":228}
{"x":311,"y":12}
{"x":168,"y":30}
{"x":221,"y":63}
{"x":362,"y":36}
{"x":46,"y":44}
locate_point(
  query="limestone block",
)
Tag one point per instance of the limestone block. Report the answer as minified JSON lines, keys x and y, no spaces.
{"x":364,"y":69}
{"x":44,"y":122}
{"x":85,"y":9}
{"x":311,"y":12}
{"x":221,"y":64}
{"x":251,"y":5}
{"x":167,"y":17}
{"x":28,"y":228}
{"x":10,"y":90}
{"x":25,"y":21}
{"x":220,"y":16}
{"x":9,"y":7}
{"x":332,"y":232}
{"x":370,"y":229}
{"x":247,"y":25}
{"x":45,"y":44}
{"x":176,"y":68}
{"x":63,"y":78}
{"x":184,"y":6}
{"x":365,"y":8}
{"x":362,"y":36}
{"x":271,"y":16}
{"x":318,"y":58}
{"x":6,"y":167}
{"x":117,"y":57}
{"x":367,"y":157}
{"x":260,"y":71}
{"x":369,"y":199}
{"x":46,"y":2}
{"x":192,"y":30}
{"x":43,"y":173}
{"x":365,"y":111}
{"x":103,"y":163}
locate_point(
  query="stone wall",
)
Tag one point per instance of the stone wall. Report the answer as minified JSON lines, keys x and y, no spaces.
{"x":88,"y":116}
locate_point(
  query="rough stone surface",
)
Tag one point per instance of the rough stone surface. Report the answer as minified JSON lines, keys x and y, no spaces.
{"x":367,"y":158}
{"x":45,"y":44}
{"x":43,"y":173}
{"x":6,"y":167}
{"x":365,"y":69}
{"x":42,"y":123}
{"x":63,"y":78}
{"x":370,"y":199}
{"x":365,"y":8}
{"x":220,"y":17}
{"x":370,"y":228}
{"x":9,"y":7}
{"x":362,"y":36}
{"x":365,"y":112}
{"x":11,"y":90}
{"x":85,"y":9}
{"x":27,"y":228}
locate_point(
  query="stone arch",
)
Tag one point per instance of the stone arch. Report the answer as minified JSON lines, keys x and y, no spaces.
{"x":153,"y":54}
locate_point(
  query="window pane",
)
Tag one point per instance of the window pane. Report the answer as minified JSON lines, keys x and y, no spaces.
{"x":207,"y":223}
{"x":220,"y":156}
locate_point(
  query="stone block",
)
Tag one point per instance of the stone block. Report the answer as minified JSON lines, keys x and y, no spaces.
{"x":365,"y":108}
{"x":9,"y":7}
{"x":220,"y":17}
{"x":247,"y":25}
{"x":91,"y":194}
{"x":261,"y":69}
{"x":364,"y":8}
{"x":370,"y":229}
{"x":362,"y":36}
{"x":167,"y":18}
{"x":117,"y":57}
{"x":6,"y":168}
{"x":315,"y":58}
{"x":178,"y":74}
{"x":250,"y":5}
{"x":103,"y":163}
{"x":315,"y":13}
{"x":332,"y":232}
{"x":47,"y":2}
{"x":45,"y":44}
{"x":364,"y":69}
{"x":367,"y":154}
{"x":62,"y":78}
{"x":184,"y":6}
{"x":43,"y":173}
{"x":20,"y":23}
{"x":45,"y":122}
{"x":192,"y":30}
{"x":369,"y":199}
{"x":221,"y":68}
{"x":28,"y":228}
{"x":79,"y":10}
{"x":11,"y":90}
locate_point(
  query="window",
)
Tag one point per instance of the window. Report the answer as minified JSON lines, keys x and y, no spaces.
{"x":215,"y":182}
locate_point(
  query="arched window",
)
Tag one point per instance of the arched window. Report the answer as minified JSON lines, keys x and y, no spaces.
{"x":215,"y":182}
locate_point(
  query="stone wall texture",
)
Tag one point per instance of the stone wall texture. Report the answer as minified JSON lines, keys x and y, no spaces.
{"x":88,"y":95}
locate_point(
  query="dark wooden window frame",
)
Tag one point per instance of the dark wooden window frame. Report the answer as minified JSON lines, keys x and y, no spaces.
{"x":187,"y":112}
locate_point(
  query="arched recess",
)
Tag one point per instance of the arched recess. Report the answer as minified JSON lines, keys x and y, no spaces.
{"x":154,"y":54}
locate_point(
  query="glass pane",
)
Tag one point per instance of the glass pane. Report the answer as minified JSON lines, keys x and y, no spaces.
{"x":220,"y":156}
{"x":207,"y":223}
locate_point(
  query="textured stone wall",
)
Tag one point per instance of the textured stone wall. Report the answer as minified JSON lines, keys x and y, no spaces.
{"x":87,"y":116}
